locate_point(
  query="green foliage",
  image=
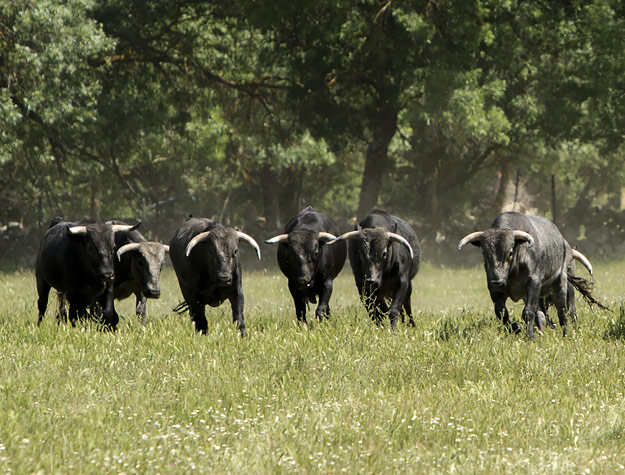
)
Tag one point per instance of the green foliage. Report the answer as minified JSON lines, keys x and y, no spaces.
{"x":247,"y":110}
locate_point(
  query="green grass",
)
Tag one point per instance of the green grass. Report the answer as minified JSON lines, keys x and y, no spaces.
{"x":455,"y":393}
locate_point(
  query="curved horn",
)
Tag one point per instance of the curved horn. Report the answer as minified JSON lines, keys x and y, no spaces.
{"x":400,"y":239}
{"x":166,"y":247}
{"x":476,"y":236}
{"x":583,"y":259}
{"x":250,"y":240}
{"x":277,"y":239}
{"x":524,"y":236}
{"x":197,"y":239}
{"x":346,"y":237}
{"x":133,"y":246}
{"x":326,"y":237}
{"x":124,"y":228}
{"x":77,"y":230}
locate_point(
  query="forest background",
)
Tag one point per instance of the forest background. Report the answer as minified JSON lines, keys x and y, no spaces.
{"x":443,"y":112}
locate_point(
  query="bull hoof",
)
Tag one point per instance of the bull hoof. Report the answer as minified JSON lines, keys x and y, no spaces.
{"x":516,"y":328}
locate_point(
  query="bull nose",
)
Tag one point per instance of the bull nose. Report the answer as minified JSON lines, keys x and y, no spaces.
{"x":224,"y":280}
{"x":373,"y":283}
{"x":154,"y":293}
{"x":496,"y":284}
{"x":108,"y":276}
{"x":303,"y":282}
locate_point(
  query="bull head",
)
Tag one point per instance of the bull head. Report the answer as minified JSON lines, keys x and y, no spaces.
{"x":301,"y":255}
{"x":498,"y":248}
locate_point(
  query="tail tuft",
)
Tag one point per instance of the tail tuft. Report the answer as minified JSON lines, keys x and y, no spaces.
{"x":585,"y":287}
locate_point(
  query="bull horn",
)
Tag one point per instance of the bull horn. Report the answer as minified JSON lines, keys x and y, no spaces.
{"x":250,"y":240}
{"x":196,"y":240}
{"x":326,"y":237}
{"x":523,"y":236}
{"x":277,"y":239}
{"x":346,"y":237}
{"x":124,"y":228}
{"x":402,"y":240}
{"x":166,"y":247}
{"x":77,"y":230}
{"x":476,"y":236}
{"x":133,"y":246}
{"x":583,"y":259}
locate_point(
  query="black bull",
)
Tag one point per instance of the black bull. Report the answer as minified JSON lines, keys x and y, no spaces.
{"x":309,"y":264}
{"x":385,"y":255}
{"x":205,"y":256}
{"x":526,"y":257}
{"x":77,"y":259}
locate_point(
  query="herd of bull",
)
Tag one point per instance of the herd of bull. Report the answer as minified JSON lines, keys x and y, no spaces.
{"x":90,"y":264}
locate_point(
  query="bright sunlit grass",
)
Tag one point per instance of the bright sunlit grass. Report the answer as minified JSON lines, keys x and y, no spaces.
{"x":455,"y":393}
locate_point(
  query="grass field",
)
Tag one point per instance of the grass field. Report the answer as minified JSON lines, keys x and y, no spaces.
{"x":456,"y":393}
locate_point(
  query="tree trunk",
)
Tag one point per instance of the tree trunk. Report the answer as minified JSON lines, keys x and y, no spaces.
{"x":376,"y":161}
{"x":554,"y":202}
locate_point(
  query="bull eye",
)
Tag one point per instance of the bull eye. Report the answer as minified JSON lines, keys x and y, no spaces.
{"x":235,"y":252}
{"x":510,"y":253}
{"x":384,"y":254}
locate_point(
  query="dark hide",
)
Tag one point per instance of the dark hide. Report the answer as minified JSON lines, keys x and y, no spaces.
{"x":212,"y":271}
{"x":139,"y":270}
{"x":81,"y":267}
{"x":309,"y":263}
{"x":538,"y":274}
{"x":384,"y":269}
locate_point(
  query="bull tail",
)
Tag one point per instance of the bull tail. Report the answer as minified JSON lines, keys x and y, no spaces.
{"x":181,"y":308}
{"x":585,"y":287}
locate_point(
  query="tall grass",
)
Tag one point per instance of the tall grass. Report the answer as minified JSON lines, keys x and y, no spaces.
{"x":455,"y":393}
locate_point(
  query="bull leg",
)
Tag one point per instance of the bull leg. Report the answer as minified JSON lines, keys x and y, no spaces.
{"x":198,"y":316}
{"x":140,"y":306}
{"x":110,"y":316}
{"x":379,"y":309}
{"x":43,"y":290}
{"x":236,"y":302}
{"x":299,"y":301}
{"x":62,"y":315}
{"x":570,"y":302}
{"x":323,"y":309}
{"x":407,"y":308}
{"x":398,"y":300}
{"x":562,"y":303}
{"x":532,"y":301}
{"x":501,"y":312}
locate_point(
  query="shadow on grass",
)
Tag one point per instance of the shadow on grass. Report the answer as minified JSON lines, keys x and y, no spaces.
{"x":461,"y":326}
{"x":616,"y":326}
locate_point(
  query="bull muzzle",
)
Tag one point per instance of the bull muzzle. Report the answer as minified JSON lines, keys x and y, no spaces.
{"x":496,"y":285}
{"x":304,"y":282}
{"x":224,"y":280}
{"x":153,"y":292}
{"x":372,"y":283}
{"x":107,"y":276}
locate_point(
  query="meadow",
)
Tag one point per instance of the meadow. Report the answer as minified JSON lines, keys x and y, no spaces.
{"x":456,"y":393}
